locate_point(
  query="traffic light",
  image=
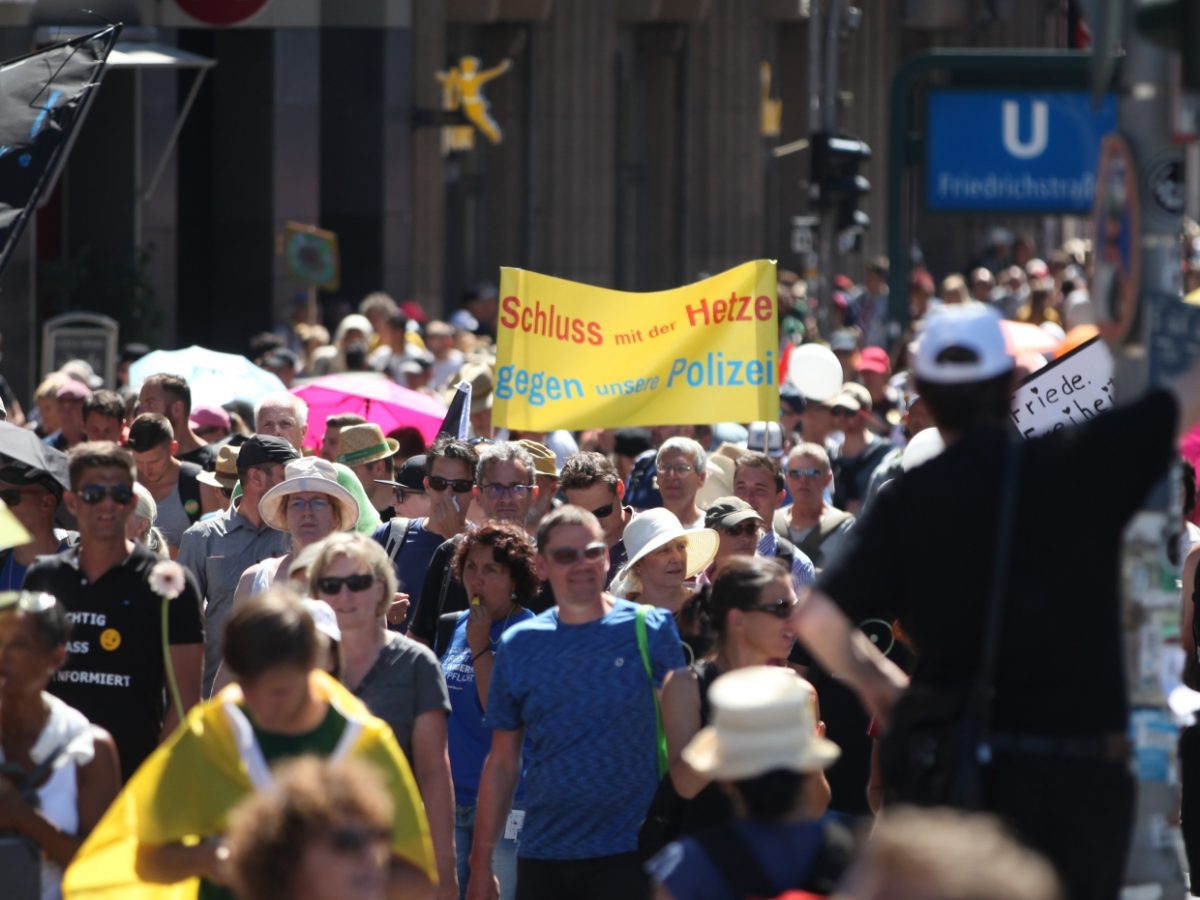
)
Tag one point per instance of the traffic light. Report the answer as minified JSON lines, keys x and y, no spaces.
{"x":835,"y":179}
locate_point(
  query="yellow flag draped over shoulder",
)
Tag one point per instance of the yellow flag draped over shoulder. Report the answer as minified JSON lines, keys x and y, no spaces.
{"x":574,"y":356}
{"x":186,"y":789}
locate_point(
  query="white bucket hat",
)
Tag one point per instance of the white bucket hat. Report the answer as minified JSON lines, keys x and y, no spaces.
{"x":655,"y":528}
{"x":308,"y":475}
{"x":764,"y":718}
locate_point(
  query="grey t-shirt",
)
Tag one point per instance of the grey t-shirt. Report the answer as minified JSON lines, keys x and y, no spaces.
{"x":172,"y":519}
{"x":405,"y":682}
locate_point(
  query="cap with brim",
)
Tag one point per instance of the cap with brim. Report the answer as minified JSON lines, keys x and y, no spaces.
{"x":725,"y":512}
{"x":482,"y":386}
{"x":73,"y":390}
{"x":655,"y":528}
{"x":411,"y":475}
{"x":847,"y":400}
{"x":763,"y":718}
{"x":264,"y":449}
{"x":225,"y":473}
{"x":209,"y":417}
{"x":765,"y":437}
{"x":362,"y":444}
{"x":323,"y":616}
{"x":874,"y":359}
{"x":24,"y":475}
{"x":973,"y":331}
{"x":310,"y":475}
{"x":544,"y":461}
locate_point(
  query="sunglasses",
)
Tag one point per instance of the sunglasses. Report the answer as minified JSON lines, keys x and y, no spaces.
{"x":121,"y":494}
{"x":602,"y":513}
{"x":496,"y":490}
{"x":355,"y":840}
{"x":742,"y":529}
{"x":27,"y":601}
{"x":843,"y":411}
{"x":780,"y":609}
{"x":331,"y":585}
{"x":811,"y":472}
{"x":568,"y":556}
{"x":13,"y":496}
{"x":458,"y":485}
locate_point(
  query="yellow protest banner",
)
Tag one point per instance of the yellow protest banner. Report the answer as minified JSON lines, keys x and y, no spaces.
{"x":574,"y":356}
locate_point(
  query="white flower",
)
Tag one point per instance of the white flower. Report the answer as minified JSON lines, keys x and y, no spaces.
{"x":166,"y":579}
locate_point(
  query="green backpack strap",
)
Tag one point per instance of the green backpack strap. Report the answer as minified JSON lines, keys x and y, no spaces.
{"x":644,"y":649}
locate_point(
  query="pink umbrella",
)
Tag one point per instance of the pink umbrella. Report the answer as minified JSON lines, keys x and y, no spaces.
{"x":1022,"y":337}
{"x":376,"y":398}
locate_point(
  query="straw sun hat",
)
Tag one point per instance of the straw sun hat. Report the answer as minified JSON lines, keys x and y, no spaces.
{"x":308,"y":475}
{"x":764,"y":718}
{"x":655,"y":528}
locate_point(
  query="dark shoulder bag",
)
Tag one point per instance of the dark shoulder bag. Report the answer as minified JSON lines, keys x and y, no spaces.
{"x":664,"y":817}
{"x":938,"y":738}
{"x":1191,"y":665}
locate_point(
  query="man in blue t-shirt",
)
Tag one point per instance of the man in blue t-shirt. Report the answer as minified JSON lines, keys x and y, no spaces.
{"x":571,"y":686}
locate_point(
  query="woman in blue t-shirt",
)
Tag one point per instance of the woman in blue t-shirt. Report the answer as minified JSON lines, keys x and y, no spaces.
{"x":495,"y":565}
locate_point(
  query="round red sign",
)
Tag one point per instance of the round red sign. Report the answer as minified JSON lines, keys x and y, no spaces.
{"x":221,"y":12}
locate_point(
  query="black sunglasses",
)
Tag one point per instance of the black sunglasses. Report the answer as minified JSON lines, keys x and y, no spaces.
{"x":12,"y":496}
{"x":742,"y":529}
{"x":331,"y":585}
{"x":355,"y":840}
{"x":783,"y":608}
{"x":459,"y":485}
{"x":567,"y":556}
{"x":604,"y":511}
{"x":95,"y":493}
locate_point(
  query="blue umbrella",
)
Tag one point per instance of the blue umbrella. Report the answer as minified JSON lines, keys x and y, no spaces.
{"x":215,"y":378}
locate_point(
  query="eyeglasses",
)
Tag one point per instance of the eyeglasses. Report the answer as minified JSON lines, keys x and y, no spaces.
{"x":355,"y":840}
{"x":781,"y":608}
{"x":331,"y":585}
{"x":679,"y":470}
{"x":810,"y":472}
{"x":122,"y":494}
{"x":316,"y":504}
{"x":568,"y":556}
{"x":27,"y":601}
{"x":458,"y":485}
{"x":742,"y":529}
{"x":602,"y":513}
{"x":476,"y":441}
{"x":496,"y":490}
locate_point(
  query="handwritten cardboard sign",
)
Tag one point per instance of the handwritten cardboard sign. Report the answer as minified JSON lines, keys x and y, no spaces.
{"x":1069,"y":391}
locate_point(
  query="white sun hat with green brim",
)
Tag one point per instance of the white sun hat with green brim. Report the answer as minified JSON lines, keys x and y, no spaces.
{"x":309,"y":475}
{"x":763,"y":718}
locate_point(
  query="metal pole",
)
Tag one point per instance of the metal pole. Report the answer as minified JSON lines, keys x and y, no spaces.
{"x":1145,"y":117}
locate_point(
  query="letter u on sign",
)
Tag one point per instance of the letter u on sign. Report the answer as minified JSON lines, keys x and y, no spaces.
{"x":1039,"y":133}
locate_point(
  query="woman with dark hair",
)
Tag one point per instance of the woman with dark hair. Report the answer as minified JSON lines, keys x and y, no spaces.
{"x":495,"y":565}
{"x":58,"y":772}
{"x":751,"y":607}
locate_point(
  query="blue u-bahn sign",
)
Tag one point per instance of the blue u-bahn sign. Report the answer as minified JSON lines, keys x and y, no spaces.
{"x":1014,"y":151}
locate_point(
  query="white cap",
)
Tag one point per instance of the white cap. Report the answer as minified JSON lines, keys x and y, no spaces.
{"x":765,"y":437}
{"x":972,"y":327}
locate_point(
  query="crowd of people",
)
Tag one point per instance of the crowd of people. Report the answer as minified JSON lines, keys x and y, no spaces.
{"x":682,"y":661}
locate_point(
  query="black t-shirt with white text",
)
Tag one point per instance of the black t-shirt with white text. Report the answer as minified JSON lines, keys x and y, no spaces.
{"x":114,"y":671}
{"x":924,"y":554}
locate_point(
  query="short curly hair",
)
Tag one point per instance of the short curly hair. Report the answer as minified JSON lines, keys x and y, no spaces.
{"x":511,"y":547}
{"x":308,"y":799}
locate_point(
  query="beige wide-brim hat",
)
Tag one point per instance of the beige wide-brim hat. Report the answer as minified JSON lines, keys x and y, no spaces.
{"x":362,"y":444}
{"x":655,"y":528}
{"x":764,"y":718}
{"x":310,"y":475}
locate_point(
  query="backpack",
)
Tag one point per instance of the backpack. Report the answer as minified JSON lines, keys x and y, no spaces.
{"x":397,"y":534}
{"x":740,"y":867}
